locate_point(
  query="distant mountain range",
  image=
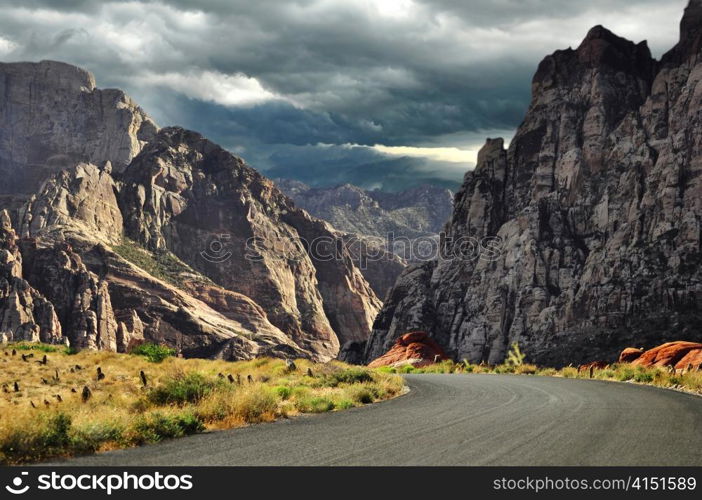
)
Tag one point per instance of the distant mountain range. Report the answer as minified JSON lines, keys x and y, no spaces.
{"x":401,"y":220}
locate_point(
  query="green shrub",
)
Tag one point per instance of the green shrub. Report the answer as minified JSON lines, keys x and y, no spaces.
{"x":643,"y":376}
{"x":27,"y":346}
{"x":283,"y":392}
{"x":344,"y":404}
{"x":625,"y":373}
{"x":56,"y":433}
{"x":157,"y":426}
{"x":363,"y":394}
{"x":182,"y":389}
{"x":152,"y":352}
{"x":88,"y":439}
{"x":315,"y":405}
{"x":348,"y":376}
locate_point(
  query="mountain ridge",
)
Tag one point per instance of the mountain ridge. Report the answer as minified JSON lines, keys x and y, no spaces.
{"x":595,"y":205}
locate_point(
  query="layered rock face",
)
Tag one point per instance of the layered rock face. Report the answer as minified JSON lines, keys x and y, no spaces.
{"x":417,"y":212}
{"x":383,"y":231}
{"x":52,"y":117}
{"x":584,"y":236}
{"x":25,"y":314}
{"x":131,"y":234}
{"x":185,"y":194}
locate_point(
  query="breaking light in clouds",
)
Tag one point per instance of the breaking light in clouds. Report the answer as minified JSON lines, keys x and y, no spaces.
{"x":449,"y":154}
{"x":418,"y":83}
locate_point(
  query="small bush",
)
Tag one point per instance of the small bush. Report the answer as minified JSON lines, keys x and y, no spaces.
{"x":152,"y":352}
{"x":349,"y":376}
{"x":315,"y":405}
{"x":254,"y":406}
{"x":624,"y":373}
{"x":344,"y":404}
{"x":26,"y":346}
{"x":182,"y":389}
{"x":363,"y":394}
{"x":283,"y":392}
{"x":643,"y":377}
{"x":157,"y":426}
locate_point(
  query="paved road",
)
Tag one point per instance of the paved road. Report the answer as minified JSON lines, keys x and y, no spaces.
{"x":462,"y":420}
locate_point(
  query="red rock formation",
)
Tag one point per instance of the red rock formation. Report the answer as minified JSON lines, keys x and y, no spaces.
{"x":630,"y":354}
{"x":671,"y":354}
{"x":414,"y":348}
{"x":691,"y":361}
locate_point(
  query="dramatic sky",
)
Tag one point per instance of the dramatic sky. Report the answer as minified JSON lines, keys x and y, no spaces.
{"x":382,"y":93}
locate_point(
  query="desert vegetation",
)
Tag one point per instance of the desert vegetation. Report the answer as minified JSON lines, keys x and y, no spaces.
{"x":57,"y":403}
{"x":687,"y":380}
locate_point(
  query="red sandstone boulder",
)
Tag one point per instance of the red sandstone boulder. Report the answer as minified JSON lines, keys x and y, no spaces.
{"x":630,"y":354}
{"x":413,"y":348}
{"x":670,"y":354}
{"x":691,"y":361}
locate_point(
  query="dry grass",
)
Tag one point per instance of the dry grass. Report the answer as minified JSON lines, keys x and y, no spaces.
{"x":182,"y":396}
{"x":690,"y":381}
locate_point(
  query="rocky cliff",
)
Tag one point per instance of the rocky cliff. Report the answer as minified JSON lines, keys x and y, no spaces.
{"x":583,"y":235}
{"x":383,"y":231}
{"x":116,"y":232}
{"x":52,"y":116}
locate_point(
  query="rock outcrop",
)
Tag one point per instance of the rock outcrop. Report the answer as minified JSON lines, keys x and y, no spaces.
{"x":415,"y":348}
{"x":583,"y":236}
{"x":25,"y":314}
{"x":680,"y":355}
{"x":131,"y":234}
{"x":383,"y":231}
{"x":52,"y":116}
{"x":185,"y":194}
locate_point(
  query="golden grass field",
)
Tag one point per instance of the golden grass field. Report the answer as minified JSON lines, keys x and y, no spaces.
{"x":689,"y":381}
{"x":47,"y":415}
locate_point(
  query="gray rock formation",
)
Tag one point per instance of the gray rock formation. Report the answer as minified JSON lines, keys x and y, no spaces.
{"x":417,"y":212}
{"x":187,"y":195}
{"x":25,"y":314}
{"x":82,"y":167}
{"x":52,"y":117}
{"x":383,"y":231}
{"x":596,"y":205}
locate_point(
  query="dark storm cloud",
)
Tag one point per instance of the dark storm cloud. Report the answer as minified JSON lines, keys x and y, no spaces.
{"x":266,"y":74}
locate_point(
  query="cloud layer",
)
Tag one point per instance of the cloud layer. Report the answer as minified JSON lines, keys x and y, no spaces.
{"x":267,"y":78}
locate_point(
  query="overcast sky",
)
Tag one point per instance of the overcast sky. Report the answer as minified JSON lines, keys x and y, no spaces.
{"x":379,"y":92}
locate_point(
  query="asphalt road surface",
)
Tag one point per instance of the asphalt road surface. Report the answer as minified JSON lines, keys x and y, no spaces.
{"x":462,"y":420}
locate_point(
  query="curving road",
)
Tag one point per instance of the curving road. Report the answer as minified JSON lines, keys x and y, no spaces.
{"x":462,"y":420}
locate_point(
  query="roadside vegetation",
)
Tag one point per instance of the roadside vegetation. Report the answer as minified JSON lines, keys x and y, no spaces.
{"x":690,"y":381}
{"x":78,"y":403}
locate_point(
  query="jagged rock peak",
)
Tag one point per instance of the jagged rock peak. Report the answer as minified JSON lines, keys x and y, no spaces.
{"x":599,"y":49}
{"x":690,"y":35}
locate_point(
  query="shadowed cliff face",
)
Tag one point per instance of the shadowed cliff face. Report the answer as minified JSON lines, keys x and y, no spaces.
{"x":131,"y":234}
{"x":596,"y":211}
